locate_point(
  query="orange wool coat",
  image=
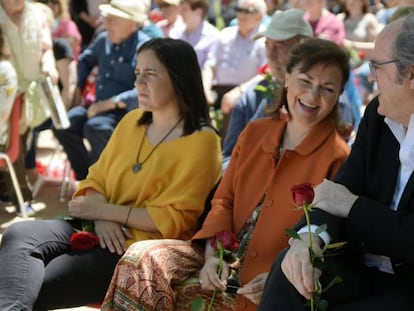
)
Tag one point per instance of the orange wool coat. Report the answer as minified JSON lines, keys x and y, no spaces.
{"x":253,"y":173}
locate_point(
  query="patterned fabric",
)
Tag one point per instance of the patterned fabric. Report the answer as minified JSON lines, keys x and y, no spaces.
{"x":154,"y":275}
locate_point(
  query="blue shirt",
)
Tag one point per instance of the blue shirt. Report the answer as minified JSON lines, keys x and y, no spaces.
{"x":236,"y":58}
{"x":116,"y":67}
{"x":250,"y":106}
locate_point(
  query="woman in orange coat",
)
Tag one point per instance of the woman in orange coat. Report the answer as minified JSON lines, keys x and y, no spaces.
{"x":299,"y":143}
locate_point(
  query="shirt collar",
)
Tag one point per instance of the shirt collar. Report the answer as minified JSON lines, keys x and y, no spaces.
{"x":313,"y":140}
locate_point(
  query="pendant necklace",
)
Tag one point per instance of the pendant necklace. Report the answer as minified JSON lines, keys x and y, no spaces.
{"x":138,"y":165}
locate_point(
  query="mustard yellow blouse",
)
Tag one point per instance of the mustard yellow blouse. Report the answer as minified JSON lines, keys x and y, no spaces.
{"x":172,"y":184}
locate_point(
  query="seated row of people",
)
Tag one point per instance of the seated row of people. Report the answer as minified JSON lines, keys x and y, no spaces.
{"x":302,"y":134}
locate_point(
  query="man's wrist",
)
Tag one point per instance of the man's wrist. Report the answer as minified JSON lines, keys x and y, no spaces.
{"x":118,"y":104}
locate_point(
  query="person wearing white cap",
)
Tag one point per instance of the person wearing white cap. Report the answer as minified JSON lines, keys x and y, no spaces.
{"x":114,"y":53}
{"x":286,"y":29}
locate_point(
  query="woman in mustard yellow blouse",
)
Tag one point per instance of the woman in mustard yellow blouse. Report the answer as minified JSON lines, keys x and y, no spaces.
{"x":151,"y":181}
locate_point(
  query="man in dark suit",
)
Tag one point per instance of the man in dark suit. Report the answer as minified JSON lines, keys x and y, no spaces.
{"x":370,"y":203}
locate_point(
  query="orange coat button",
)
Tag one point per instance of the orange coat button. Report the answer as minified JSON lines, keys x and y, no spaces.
{"x":253,"y":254}
{"x":269,"y":202}
{"x":242,"y":304}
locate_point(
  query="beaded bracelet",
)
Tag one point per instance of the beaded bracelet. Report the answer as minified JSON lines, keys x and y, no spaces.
{"x":127,"y":218}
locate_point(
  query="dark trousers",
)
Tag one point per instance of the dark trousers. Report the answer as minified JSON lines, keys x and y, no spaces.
{"x":362,"y":288}
{"x":30,"y":160}
{"x":96,"y":130}
{"x":39,"y":271}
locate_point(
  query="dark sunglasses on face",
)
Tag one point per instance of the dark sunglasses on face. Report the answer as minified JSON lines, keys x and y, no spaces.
{"x":163,"y":5}
{"x":249,"y":10}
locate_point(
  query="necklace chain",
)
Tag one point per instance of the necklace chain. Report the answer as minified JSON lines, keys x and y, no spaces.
{"x":138,"y":165}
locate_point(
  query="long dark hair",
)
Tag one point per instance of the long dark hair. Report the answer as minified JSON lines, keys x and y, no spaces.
{"x":306,"y":55}
{"x":181,"y":62}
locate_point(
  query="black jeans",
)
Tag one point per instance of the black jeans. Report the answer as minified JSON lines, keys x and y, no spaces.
{"x":39,"y":271}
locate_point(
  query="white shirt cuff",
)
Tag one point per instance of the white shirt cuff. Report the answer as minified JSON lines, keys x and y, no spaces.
{"x":323,"y":235}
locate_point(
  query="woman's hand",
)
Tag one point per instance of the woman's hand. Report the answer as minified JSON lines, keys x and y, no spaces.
{"x":209,"y":279}
{"x":254,"y":289}
{"x":88,"y":206}
{"x":111,"y":236}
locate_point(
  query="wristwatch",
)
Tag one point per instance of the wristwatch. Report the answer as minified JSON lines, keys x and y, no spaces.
{"x":115,"y":99}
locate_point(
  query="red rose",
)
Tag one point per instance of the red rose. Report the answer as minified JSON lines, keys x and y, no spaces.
{"x":303,"y":194}
{"x":264,"y":69}
{"x":227,"y":239}
{"x":83,"y":240}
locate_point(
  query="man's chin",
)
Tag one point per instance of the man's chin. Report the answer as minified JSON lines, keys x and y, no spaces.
{"x":379,"y":108}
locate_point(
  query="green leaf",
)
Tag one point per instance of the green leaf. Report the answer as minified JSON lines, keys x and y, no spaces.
{"x":260,"y":88}
{"x":321,"y":228}
{"x":322,"y":305}
{"x":335,"y":281}
{"x":335,"y":245}
{"x":198,"y":304}
{"x":292,"y":233}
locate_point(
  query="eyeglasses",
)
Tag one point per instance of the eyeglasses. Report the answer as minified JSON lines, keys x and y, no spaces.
{"x":249,"y":10}
{"x":373,"y":66}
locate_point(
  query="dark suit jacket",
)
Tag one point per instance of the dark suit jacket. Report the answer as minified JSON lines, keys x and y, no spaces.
{"x":371,"y":172}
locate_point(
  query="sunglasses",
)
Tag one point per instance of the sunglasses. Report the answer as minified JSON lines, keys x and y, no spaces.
{"x":163,"y":5}
{"x":249,"y":10}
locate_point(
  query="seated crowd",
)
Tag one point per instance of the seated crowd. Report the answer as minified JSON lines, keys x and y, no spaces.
{"x":187,"y":210}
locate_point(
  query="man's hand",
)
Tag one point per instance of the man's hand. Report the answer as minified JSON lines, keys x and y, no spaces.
{"x":229,"y":99}
{"x":94,"y":109}
{"x":208,"y":274}
{"x":297,"y":266}
{"x":334,"y":198}
{"x":254,"y":289}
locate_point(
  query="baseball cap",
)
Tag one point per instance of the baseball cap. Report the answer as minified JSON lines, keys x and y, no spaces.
{"x":285,"y":25}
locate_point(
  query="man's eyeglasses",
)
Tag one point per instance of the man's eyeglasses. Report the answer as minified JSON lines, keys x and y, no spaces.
{"x":373,"y":66}
{"x":249,"y":10}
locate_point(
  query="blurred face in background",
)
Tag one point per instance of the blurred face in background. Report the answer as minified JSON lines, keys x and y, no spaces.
{"x":14,"y":9}
{"x":189,"y":16}
{"x":118,"y":28}
{"x":277,"y":52}
{"x":248,"y":16}
{"x":168,"y":11}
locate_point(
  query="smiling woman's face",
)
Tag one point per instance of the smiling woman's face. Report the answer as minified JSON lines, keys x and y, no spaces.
{"x":312,"y":95}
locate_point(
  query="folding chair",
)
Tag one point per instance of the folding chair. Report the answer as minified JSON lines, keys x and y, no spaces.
{"x":10,"y":156}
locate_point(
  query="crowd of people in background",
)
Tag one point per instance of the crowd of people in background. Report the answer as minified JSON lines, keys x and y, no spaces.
{"x":108,"y":56}
{"x":231,"y":60}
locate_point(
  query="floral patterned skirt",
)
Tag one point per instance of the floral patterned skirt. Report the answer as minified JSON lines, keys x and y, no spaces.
{"x":160,"y":275}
